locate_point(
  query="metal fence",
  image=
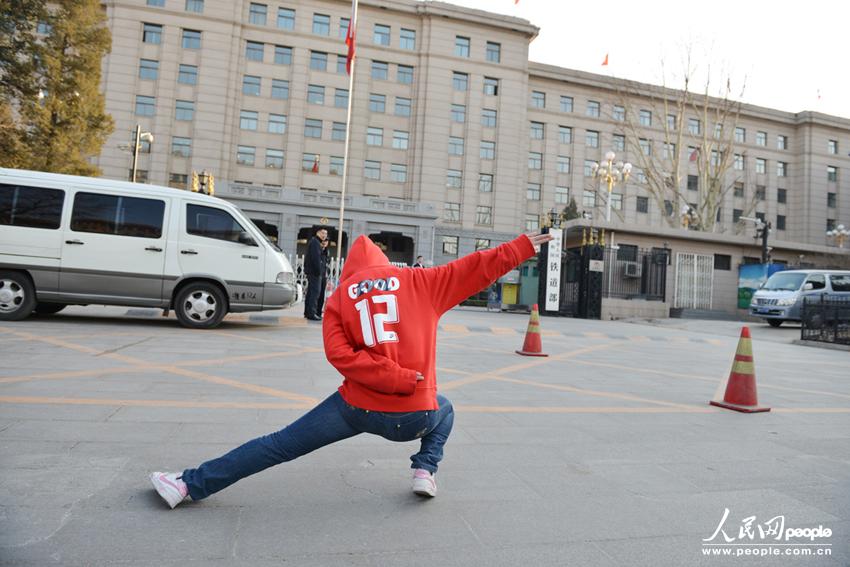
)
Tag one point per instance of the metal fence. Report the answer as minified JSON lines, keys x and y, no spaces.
{"x":826,"y":318}
{"x":633,"y":273}
{"x":334,"y":269}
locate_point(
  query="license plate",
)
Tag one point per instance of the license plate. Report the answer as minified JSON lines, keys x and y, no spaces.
{"x":763,"y":310}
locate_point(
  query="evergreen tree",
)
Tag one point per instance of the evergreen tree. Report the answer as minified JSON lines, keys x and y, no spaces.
{"x":58,"y":115}
{"x":571,"y":210}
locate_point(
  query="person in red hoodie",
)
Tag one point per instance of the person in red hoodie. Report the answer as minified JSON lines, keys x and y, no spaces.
{"x":380,"y":333}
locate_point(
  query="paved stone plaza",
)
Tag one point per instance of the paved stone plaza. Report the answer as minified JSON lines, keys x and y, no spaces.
{"x":605,"y":453}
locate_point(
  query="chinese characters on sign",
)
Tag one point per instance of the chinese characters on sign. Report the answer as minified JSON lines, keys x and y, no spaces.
{"x":553,"y":271}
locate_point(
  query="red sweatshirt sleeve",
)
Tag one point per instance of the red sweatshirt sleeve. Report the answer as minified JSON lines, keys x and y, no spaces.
{"x":453,"y":282}
{"x":370,"y":369}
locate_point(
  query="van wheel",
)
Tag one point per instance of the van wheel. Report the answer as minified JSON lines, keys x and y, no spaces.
{"x":17,"y":296}
{"x":200,"y":305}
{"x":774,"y":322}
{"x":49,"y":308}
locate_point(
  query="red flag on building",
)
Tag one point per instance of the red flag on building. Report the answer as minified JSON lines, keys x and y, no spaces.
{"x":316,"y":164}
{"x":604,"y":63}
{"x":694,"y":155}
{"x":349,"y":37}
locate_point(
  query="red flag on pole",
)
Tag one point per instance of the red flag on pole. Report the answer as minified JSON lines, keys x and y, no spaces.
{"x":349,"y":37}
{"x":316,"y":164}
{"x":604,"y":63}
{"x":694,"y":154}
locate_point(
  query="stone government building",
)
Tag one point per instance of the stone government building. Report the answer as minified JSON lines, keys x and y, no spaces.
{"x":458,"y":140}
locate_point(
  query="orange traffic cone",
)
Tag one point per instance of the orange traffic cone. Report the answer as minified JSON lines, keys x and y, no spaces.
{"x":532,"y":345}
{"x":741,"y":387}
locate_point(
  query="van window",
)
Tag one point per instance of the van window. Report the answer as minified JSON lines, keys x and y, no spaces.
{"x":119,"y":215}
{"x":784,"y":282}
{"x":35,"y":207}
{"x":840,"y":282}
{"x":818,"y":281}
{"x":212,"y":223}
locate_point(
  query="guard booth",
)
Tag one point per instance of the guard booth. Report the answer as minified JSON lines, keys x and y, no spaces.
{"x":579,"y":281}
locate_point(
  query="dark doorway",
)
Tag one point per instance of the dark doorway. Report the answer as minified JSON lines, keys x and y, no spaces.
{"x":268,"y":229}
{"x":306,"y":233}
{"x":396,"y":246}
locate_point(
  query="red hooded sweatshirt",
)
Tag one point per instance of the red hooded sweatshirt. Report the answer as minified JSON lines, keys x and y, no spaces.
{"x":380,"y":325}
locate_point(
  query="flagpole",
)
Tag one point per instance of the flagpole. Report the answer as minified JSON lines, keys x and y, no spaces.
{"x":353,"y":33}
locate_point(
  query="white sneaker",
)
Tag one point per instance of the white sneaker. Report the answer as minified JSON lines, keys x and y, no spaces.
{"x":424,"y":483}
{"x":169,"y":485}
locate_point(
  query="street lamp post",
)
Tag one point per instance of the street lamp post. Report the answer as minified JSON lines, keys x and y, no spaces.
{"x":611,"y":173}
{"x":840,"y":234}
{"x":763,"y":230}
{"x":138,"y":137}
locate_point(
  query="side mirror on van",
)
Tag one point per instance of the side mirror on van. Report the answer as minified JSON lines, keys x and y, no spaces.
{"x":808,"y":286}
{"x":245,"y":238}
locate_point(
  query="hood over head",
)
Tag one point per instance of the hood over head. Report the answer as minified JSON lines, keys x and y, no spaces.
{"x":363,"y":254}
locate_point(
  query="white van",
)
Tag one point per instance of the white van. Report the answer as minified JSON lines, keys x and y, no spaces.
{"x":781,"y":297}
{"x":67,"y":240}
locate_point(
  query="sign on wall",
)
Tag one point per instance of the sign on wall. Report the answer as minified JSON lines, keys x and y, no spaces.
{"x":553,"y":271}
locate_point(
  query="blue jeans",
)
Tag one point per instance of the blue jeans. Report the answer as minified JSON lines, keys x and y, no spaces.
{"x":331,"y":421}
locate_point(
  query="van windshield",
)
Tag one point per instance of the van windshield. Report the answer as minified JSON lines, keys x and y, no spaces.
{"x":784,"y":282}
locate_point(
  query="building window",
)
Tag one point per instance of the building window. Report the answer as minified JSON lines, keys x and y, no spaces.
{"x":405,"y":74}
{"x":254,"y":51}
{"x":642,"y":204}
{"x":669,"y":150}
{"x":398,"y":173}
{"x":245,"y":155}
{"x":400,"y":139}
{"x":645,"y":118}
{"x":336,"y":166}
{"x":831,"y":200}
{"x":781,"y":196}
{"x":780,"y":222}
{"x":532,"y":223}
{"x":563,"y":164}
{"x":461,"y":46}
{"x":619,"y":113}
{"x":178,"y":180}
{"x":488,"y":118}
{"x":277,"y":123}
{"x":781,"y":142}
{"x":535,"y":160}
{"x":645,"y":146}
{"x":562,"y":195}
{"x":455,"y":146}
{"x":761,"y":217}
{"x":761,"y":192}
{"x":482,"y":244}
{"x":402,"y":106}
{"x":156,"y":3}
{"x":565,"y":134}
{"x":671,"y":122}
{"x":374,"y":136}
{"x":491,"y":86}
{"x":310,"y":162}
{"x":781,"y":169}
{"x":830,"y":224}
{"x":380,"y":70}
{"x":451,"y":212}
{"x":487,"y":150}
{"x":738,"y":162}
{"x":248,"y":120}
{"x":537,"y":130}
{"x":761,"y":138}
{"x":450,"y":245}
{"x":196,"y":6}
{"x":312,"y":128}
{"x":286,"y":19}
{"x":181,"y":147}
{"x":618,"y":142}
{"x":538,"y":99}
{"x":694,"y":126}
{"x":454,"y":179}
{"x":591,"y":139}
{"x":148,"y":69}
{"x":338,"y":131}
{"x":832,"y":147}
{"x":318,"y":61}
{"x":617,"y":201}
{"x":740,"y":135}
{"x":341,"y":98}
{"x":566,"y":103}
{"x":280,"y":89}
{"x":377,"y":103}
{"x":372,"y":169}
{"x":494,"y":52}
{"x":341,"y":64}
{"x":718,"y":130}
{"x":282,"y":55}
{"x":485,"y":183}
{"x":274,"y":159}
{"x":831,"y":173}
{"x":722,"y":262}
{"x":483,"y":215}
{"x":460,"y":81}
{"x":185,"y":110}
{"x":315,"y":94}
{"x":251,"y":85}
{"x":407,"y":39}
{"x":736,"y":215}
{"x":257,"y":14}
{"x":458,"y":113}
{"x":588,"y":167}
{"x":761,"y":165}
{"x":592,"y":109}
{"x":321,"y":24}
{"x":738,"y":189}
{"x":381,"y":35}
{"x":588,"y":199}
{"x":191,"y":39}
{"x":152,"y":33}
{"x":187,"y":75}
{"x":693,"y":182}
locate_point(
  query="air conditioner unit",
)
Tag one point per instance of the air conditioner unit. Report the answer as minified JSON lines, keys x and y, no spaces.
{"x":631,"y":270}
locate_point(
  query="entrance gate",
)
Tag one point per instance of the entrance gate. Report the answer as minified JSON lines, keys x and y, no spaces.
{"x":694,"y":275}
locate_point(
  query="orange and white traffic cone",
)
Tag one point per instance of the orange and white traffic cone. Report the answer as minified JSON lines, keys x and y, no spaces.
{"x":532,"y":345}
{"x":741,"y":386}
